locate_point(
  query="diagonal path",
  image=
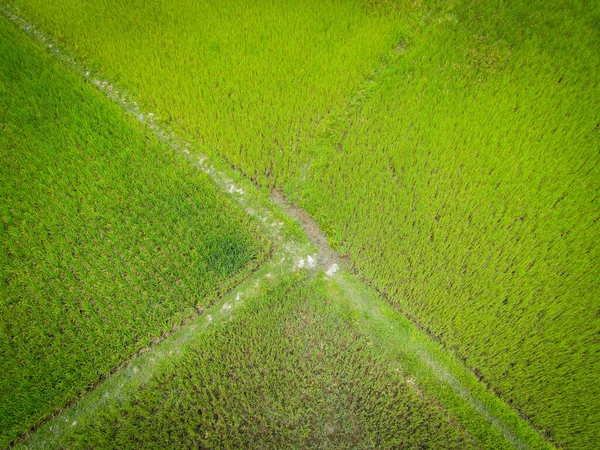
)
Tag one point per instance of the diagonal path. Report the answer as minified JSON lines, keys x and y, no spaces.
{"x":298,"y":245}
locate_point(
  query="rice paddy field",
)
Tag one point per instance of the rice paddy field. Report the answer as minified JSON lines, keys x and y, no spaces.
{"x":434,"y":282}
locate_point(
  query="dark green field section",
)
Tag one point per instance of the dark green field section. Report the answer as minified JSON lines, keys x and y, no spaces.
{"x":289,"y":371}
{"x":449,"y":151}
{"x":108,"y":239}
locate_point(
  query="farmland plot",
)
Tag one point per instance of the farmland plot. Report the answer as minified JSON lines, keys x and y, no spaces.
{"x":248,"y":80}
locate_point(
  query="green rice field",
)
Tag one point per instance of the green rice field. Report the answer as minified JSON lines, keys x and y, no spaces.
{"x":444,"y":156}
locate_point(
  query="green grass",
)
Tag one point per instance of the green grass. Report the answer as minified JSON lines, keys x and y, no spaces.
{"x":289,"y":370}
{"x":462,"y":181}
{"x":108,"y":238}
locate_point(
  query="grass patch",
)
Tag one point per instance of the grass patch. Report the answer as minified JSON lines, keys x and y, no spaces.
{"x":109,"y":239}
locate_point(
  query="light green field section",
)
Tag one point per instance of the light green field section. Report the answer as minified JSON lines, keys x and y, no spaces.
{"x":448,"y":150}
{"x":467,"y":189}
{"x":108,"y":239}
{"x":289,"y":369}
{"x":249,"y":80}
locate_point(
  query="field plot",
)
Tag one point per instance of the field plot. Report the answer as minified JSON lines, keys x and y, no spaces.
{"x":290,"y":370}
{"x":108,"y":238}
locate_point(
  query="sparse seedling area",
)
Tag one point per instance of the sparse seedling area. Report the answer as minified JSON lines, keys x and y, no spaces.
{"x":334,"y":224}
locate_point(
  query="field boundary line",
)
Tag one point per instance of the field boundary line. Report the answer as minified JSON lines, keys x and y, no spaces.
{"x":298,"y":242}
